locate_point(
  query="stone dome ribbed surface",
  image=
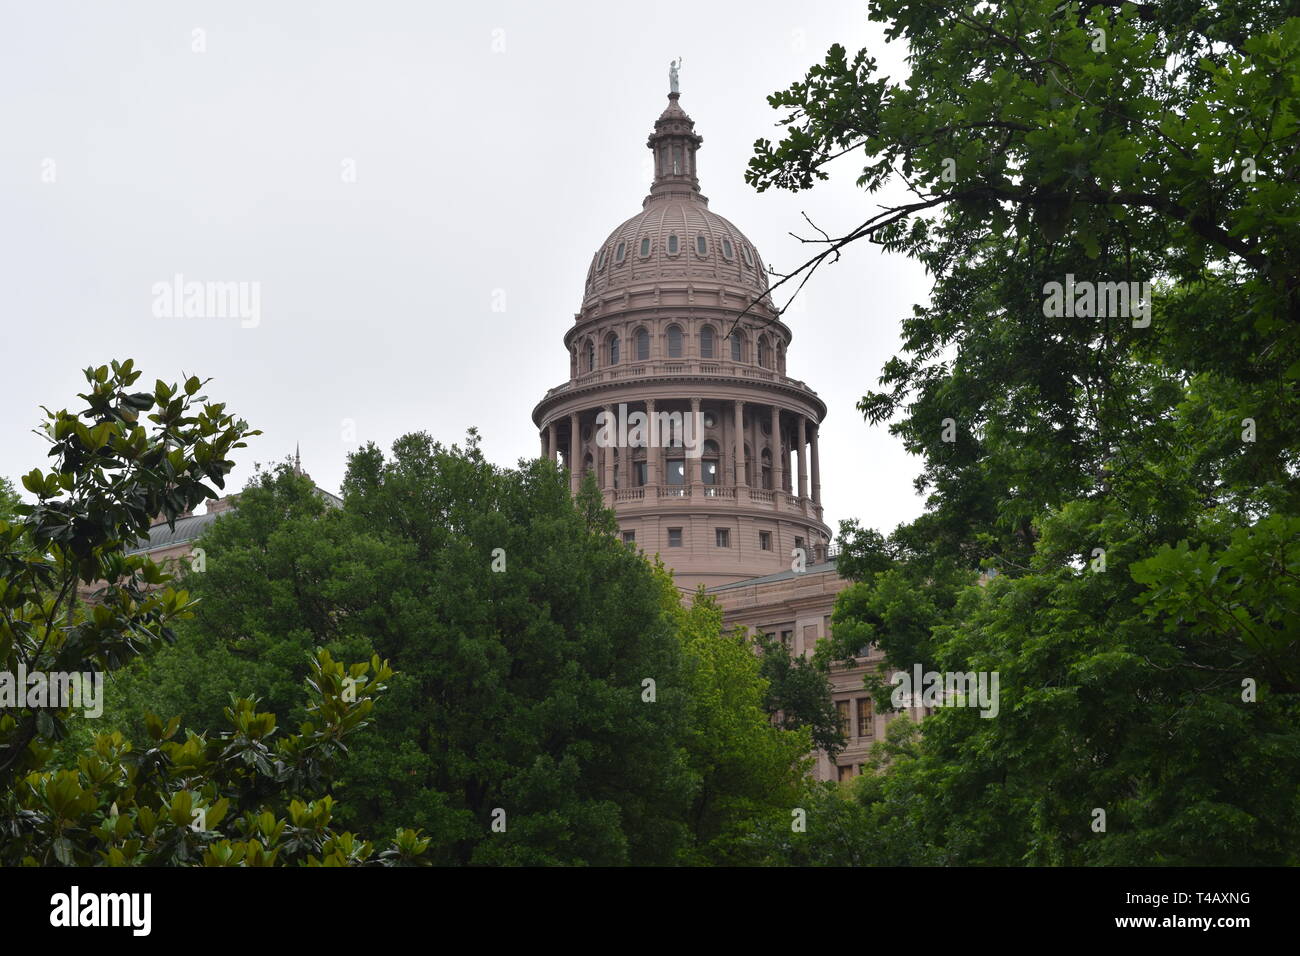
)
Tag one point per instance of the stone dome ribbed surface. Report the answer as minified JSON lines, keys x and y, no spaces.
{"x":639,"y":250}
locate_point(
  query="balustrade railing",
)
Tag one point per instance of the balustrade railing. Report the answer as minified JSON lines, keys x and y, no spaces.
{"x":733,"y":494}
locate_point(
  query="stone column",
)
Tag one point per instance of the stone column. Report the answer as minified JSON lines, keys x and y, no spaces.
{"x":803,"y":458}
{"x":779,"y":463}
{"x":542,"y":435}
{"x":625,"y":459}
{"x":652,"y":448}
{"x":739,"y":432}
{"x":695,"y":467}
{"x":727,"y":451}
{"x":575,"y":463}
{"x":552,"y":442}
{"x":816,"y":466}
{"x":612,"y":427}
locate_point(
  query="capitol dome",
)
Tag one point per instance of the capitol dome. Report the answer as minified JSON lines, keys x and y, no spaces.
{"x":676,"y":237}
{"x":677,"y":328}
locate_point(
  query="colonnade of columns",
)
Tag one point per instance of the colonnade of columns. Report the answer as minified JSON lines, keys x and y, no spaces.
{"x":732,"y":459}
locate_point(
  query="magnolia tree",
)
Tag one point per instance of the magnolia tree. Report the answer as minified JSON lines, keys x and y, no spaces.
{"x":248,"y":796}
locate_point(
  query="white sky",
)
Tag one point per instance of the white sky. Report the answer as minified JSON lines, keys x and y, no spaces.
{"x":475,"y":171}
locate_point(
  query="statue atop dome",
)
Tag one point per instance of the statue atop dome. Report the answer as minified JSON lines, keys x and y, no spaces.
{"x":673,"y":67}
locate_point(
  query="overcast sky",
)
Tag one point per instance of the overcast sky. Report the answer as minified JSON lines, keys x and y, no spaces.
{"x":493,"y":147}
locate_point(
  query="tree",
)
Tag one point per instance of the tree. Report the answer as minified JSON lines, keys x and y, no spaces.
{"x":164,"y":805}
{"x":799,"y":693}
{"x":9,"y":500}
{"x":1127,"y":473}
{"x":556,"y":703}
{"x":752,"y":774}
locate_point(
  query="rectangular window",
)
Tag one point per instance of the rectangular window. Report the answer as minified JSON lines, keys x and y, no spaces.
{"x":842,"y":709}
{"x":676,"y":471}
{"x":787,"y":640}
{"x":722,"y":537}
{"x":865,"y":712}
{"x":674,"y":537}
{"x":765,"y":540}
{"x":639,"y":473}
{"x":798,"y":543}
{"x":629,"y":537}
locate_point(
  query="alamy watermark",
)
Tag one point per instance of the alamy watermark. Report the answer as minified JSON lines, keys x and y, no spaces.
{"x":946,"y":689}
{"x":660,"y":430}
{"x":1084,"y":299}
{"x":53,"y":689}
{"x":181,"y":299}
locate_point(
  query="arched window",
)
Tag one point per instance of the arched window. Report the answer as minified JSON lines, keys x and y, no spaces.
{"x":701,"y":245}
{"x":600,"y":263}
{"x":737,"y":347}
{"x":619,"y":253}
{"x":588,"y":464}
{"x":710,"y":462}
{"x":727,"y":251}
{"x":672,"y":244}
{"x":764,"y":352}
{"x":749,"y":466}
{"x":674,"y":342}
{"x":780,"y":357}
{"x":706,"y":342}
{"x":749,"y":256}
{"x":767,"y":470}
{"x":642,"y":345}
{"x":589,"y":357}
{"x":645,"y":247}
{"x":613,"y":349}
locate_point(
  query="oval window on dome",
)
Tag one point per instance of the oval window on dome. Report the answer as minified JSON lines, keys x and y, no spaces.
{"x":749,"y":256}
{"x":701,"y":245}
{"x":672,"y":244}
{"x":600,"y":263}
{"x":620,"y":252}
{"x":645,"y":247}
{"x":727,"y":251}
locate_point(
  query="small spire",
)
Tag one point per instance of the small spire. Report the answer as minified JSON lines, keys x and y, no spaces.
{"x":674,"y":143}
{"x":297,"y":458}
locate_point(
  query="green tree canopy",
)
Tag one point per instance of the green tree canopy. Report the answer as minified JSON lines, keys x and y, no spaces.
{"x":549,"y":681}
{"x":165,"y":803}
{"x":1132,"y":483}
